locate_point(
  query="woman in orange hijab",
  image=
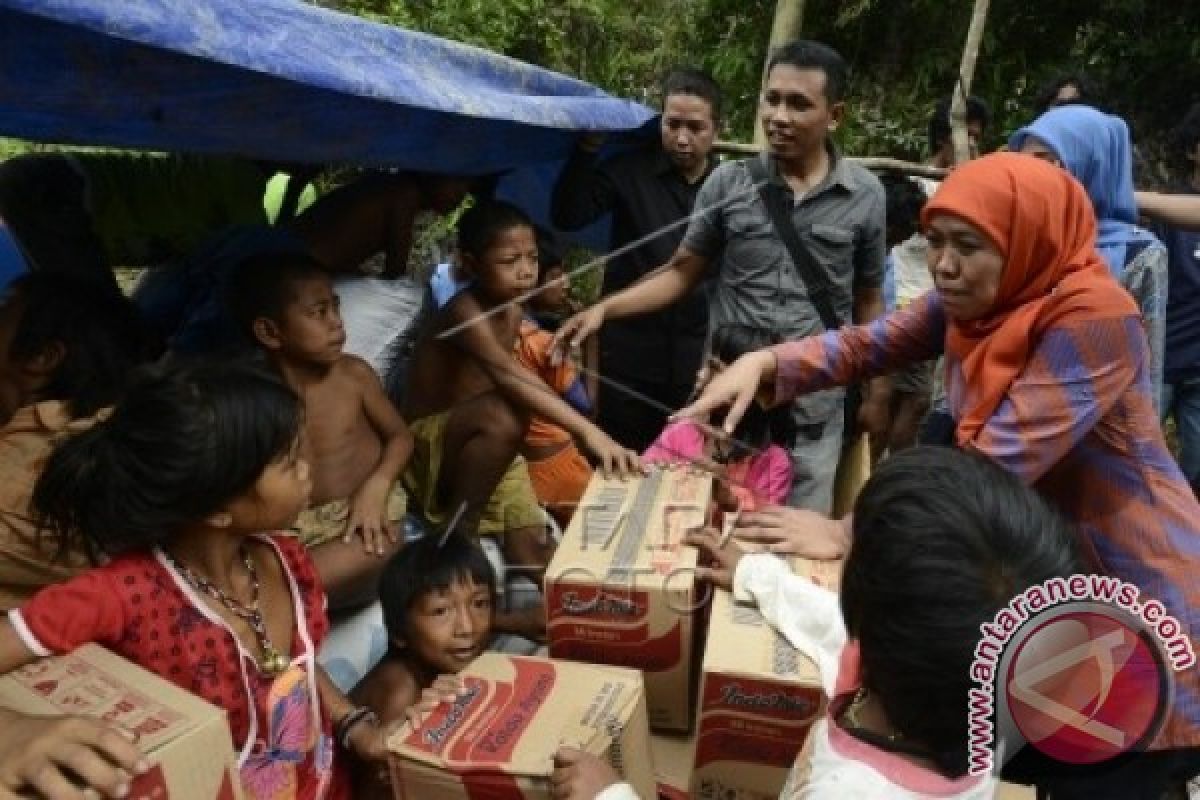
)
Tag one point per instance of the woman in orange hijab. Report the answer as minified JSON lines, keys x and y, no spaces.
{"x":1047,"y":373}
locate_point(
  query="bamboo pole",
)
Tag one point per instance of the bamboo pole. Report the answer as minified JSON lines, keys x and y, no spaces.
{"x":789,"y":18}
{"x":874,"y":163}
{"x":966,"y":73}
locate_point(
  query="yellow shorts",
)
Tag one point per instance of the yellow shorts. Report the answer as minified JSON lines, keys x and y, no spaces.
{"x":327,"y":522}
{"x":513,"y":504}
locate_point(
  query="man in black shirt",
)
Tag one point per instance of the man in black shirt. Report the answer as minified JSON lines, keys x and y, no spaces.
{"x":657,"y":354}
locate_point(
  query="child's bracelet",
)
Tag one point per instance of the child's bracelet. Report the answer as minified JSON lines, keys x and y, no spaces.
{"x":341,"y":731}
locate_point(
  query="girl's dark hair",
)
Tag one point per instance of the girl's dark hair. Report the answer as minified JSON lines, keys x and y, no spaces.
{"x":483,"y":222}
{"x":1047,"y":96}
{"x":186,"y":439}
{"x":427,"y":565}
{"x":101,"y":333}
{"x":758,"y":426}
{"x":942,"y":541}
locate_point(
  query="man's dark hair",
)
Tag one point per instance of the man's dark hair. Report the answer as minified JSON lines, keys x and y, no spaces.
{"x":1046,"y":98}
{"x":100,"y":331}
{"x":479,"y":226}
{"x":905,"y":199}
{"x":807,"y":54}
{"x":427,"y":565}
{"x":263,"y":285}
{"x":939,"y":123}
{"x":942,"y":541}
{"x":1184,"y":137}
{"x":696,"y":82}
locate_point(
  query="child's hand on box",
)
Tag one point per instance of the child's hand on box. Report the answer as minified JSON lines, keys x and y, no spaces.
{"x":580,"y":776}
{"x":723,"y":554}
{"x":38,"y":754}
{"x":445,"y":689}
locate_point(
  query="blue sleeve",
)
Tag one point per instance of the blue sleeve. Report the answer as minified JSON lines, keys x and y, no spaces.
{"x":577,"y":397}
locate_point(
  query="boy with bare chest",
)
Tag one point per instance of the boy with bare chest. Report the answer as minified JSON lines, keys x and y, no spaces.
{"x":354,"y":438}
{"x":469,"y":400}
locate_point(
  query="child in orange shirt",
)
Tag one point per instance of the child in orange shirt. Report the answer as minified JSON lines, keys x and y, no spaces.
{"x":557,"y":469}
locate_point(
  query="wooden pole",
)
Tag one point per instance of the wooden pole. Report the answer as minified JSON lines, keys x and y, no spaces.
{"x":966,"y":72}
{"x":789,"y":18}
{"x":874,"y":163}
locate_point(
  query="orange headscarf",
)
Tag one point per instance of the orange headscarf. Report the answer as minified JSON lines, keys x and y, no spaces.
{"x":1042,"y":221}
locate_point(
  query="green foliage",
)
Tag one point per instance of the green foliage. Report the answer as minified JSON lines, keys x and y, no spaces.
{"x":904,"y":54}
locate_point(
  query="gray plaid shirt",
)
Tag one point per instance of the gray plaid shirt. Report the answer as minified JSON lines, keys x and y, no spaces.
{"x":841,"y":222}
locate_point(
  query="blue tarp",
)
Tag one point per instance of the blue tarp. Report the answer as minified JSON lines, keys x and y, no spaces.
{"x":283,"y":80}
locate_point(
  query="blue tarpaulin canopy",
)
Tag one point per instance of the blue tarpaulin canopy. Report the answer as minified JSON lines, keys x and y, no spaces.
{"x":283,"y":80}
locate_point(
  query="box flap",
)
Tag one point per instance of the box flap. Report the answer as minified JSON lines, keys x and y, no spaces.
{"x":630,"y":532}
{"x":94,"y":682}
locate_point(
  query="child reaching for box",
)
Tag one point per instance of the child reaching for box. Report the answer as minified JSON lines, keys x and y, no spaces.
{"x":437,"y":596}
{"x":469,"y":400}
{"x":942,"y":541}
{"x":186,"y":488}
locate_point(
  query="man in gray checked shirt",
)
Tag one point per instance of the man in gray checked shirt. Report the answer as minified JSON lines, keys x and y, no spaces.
{"x":837,"y":209}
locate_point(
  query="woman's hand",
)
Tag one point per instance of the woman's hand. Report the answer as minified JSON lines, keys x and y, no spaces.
{"x":734,"y":387}
{"x":580,"y":776}
{"x":793,"y":532}
{"x":46,"y":755}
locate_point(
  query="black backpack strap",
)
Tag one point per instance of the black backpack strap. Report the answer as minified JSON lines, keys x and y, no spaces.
{"x":810,"y":272}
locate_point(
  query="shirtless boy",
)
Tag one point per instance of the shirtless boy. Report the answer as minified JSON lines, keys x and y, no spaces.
{"x":469,"y":400}
{"x":354,"y":439}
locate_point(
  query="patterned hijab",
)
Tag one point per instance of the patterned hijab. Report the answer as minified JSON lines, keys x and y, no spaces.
{"x":1041,"y":220}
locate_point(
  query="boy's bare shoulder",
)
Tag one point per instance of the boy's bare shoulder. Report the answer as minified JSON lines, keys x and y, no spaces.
{"x":357,"y":369}
{"x":389,"y":689}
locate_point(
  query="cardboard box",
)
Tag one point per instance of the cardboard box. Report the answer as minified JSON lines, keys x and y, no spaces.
{"x":186,"y":739}
{"x":854,"y":469}
{"x":672,"y":754}
{"x":621,"y":587}
{"x":1009,"y":791}
{"x":498,"y":739}
{"x":759,"y":697}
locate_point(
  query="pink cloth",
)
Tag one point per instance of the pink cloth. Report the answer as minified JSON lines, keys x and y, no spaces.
{"x":760,"y":480}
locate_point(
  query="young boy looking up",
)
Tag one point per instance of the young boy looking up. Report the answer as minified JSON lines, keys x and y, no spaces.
{"x":469,"y":399}
{"x":354,"y":439}
{"x":437,"y":608}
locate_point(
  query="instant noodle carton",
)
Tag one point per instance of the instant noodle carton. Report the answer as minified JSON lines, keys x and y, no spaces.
{"x":672,"y":754}
{"x":621,"y":589}
{"x":759,"y":697}
{"x":497,"y":740}
{"x":185,"y":739}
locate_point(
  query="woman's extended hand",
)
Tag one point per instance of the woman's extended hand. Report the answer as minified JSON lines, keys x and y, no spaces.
{"x":734,"y":387}
{"x":793,"y":532}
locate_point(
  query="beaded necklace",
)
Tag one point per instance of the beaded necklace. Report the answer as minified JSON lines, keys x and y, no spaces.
{"x":273,"y":662}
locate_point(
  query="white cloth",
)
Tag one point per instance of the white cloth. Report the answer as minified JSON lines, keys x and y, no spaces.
{"x":833,"y":765}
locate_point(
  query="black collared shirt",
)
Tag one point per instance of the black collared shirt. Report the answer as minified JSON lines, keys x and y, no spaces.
{"x":645,"y":193}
